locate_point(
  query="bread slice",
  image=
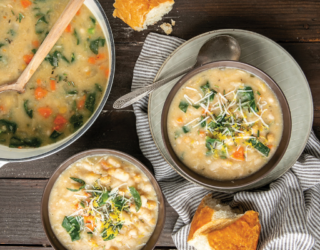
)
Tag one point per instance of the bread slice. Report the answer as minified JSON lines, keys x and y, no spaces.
{"x":217,"y":227}
{"x":138,"y":14}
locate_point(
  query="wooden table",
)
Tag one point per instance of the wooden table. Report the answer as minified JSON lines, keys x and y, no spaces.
{"x":295,"y":25}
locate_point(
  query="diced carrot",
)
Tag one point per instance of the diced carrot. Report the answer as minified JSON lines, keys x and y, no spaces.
{"x":60,"y":120}
{"x":25,"y":3}
{"x":106,"y":72}
{"x":4,"y":17}
{"x":68,"y":29}
{"x":239,"y":154}
{"x":40,"y":93}
{"x":88,"y":219}
{"x":180,"y":120}
{"x":27,"y":58}
{"x":81,"y":102}
{"x":202,"y":133}
{"x":92,"y":60}
{"x":36,"y":43}
{"x":78,"y":12}
{"x":101,"y":56}
{"x":53,"y":85}
{"x":39,"y":81}
{"x":270,"y":146}
{"x":45,"y":111}
{"x":2,"y":108}
{"x":88,"y":73}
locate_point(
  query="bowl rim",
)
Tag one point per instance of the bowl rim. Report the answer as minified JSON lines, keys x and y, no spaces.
{"x":230,"y":185}
{"x":93,"y":118}
{"x":44,"y":211}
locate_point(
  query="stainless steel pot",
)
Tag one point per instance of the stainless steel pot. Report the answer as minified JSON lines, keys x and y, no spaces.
{"x":21,"y":155}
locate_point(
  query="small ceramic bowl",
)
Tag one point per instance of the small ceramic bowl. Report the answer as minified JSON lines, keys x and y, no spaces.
{"x":190,"y":175}
{"x":47,"y":191}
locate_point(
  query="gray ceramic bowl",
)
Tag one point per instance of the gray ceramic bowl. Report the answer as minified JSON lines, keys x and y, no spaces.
{"x":46,"y":194}
{"x":255,"y":177}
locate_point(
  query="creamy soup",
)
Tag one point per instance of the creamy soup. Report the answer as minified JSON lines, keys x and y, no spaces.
{"x":225,"y":123}
{"x":70,"y":82}
{"x":103,"y":202}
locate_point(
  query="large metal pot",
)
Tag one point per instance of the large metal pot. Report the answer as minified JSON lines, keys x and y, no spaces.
{"x":20,"y":155}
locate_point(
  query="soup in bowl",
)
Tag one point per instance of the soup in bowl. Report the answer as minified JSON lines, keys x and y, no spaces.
{"x":226,"y":124}
{"x":103,"y":200}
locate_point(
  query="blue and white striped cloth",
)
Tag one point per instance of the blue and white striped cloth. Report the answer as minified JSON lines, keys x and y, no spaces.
{"x":289,"y":208}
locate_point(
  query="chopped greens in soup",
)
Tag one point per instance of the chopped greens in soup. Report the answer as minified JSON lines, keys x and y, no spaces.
{"x":225,"y":123}
{"x":69,"y":84}
{"x":103,"y":202}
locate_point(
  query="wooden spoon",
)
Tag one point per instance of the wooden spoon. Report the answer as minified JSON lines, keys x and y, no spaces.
{"x":55,"y":33}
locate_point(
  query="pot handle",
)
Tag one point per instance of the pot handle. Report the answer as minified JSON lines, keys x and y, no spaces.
{"x":2,"y":163}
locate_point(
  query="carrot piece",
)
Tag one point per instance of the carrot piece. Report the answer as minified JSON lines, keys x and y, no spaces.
{"x":239,"y":154}
{"x":2,"y":108}
{"x":40,"y":93}
{"x":81,"y":102}
{"x":92,"y":60}
{"x":36,"y":43}
{"x":25,"y":3}
{"x":202,"y":133}
{"x":106,"y":72}
{"x":270,"y":146}
{"x":88,"y":219}
{"x":180,"y":120}
{"x":101,"y":56}
{"x":45,"y":111}
{"x":53,"y":85}
{"x":27,"y":58}
{"x":68,"y":29}
{"x":78,"y":12}
{"x":39,"y":81}
{"x":59,"y":121}
{"x":88,"y":73}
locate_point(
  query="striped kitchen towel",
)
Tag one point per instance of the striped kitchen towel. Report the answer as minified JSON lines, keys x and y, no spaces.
{"x":288,"y":208}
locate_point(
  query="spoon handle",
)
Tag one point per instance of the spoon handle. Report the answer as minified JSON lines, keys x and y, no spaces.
{"x":136,"y":95}
{"x":51,"y":39}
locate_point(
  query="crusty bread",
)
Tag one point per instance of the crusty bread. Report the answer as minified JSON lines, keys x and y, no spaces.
{"x":167,"y":28}
{"x":138,"y":14}
{"x":217,"y":227}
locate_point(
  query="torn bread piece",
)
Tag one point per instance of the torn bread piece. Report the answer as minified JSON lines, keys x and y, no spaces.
{"x":167,"y":28}
{"x":138,"y":14}
{"x":217,"y":227}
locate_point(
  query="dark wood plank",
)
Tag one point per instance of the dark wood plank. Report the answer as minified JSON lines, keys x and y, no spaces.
{"x":284,"y":20}
{"x":20,"y":220}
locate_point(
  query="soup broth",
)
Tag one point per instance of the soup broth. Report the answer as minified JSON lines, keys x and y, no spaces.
{"x":225,"y":123}
{"x":69,"y":84}
{"x":110,"y":203}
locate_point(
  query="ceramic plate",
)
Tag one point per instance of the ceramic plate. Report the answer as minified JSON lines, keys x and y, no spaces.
{"x":264,"y":54}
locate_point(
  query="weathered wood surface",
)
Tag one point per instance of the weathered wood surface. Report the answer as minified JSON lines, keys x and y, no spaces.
{"x":294,"y":24}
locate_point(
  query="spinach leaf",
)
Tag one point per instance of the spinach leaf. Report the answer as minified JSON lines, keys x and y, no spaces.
{"x":263,"y":149}
{"x":91,"y":31}
{"x":1,"y":45}
{"x":72,"y":92}
{"x":29,"y":112}
{"x":82,"y":182}
{"x":76,"y":120}
{"x":16,"y":142}
{"x":11,"y":127}
{"x":76,"y":36}
{"x":108,"y":234}
{"x":95,"y":44}
{"x":185,"y":129}
{"x":103,"y":199}
{"x":183,"y":106}
{"x":90,"y":101}
{"x":55,"y":134}
{"x":206,"y":90}
{"x":93,"y":20}
{"x":203,"y":124}
{"x":42,"y":20}
{"x":211,"y":143}
{"x":196,"y":106}
{"x":72,"y":226}
{"x":205,"y":87}
{"x":98,"y":87}
{"x":248,"y":96}
{"x":120,"y":203}
{"x":73,"y":57}
{"x":21,"y":16}
{"x":136,"y":197}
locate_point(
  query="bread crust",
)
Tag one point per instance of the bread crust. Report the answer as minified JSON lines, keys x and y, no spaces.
{"x":134,"y":12}
{"x":243,"y":234}
{"x":238,"y":233}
